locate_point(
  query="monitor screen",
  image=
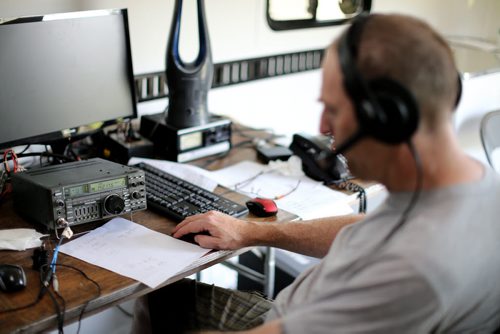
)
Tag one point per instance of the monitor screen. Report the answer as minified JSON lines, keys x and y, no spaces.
{"x":61,"y":72}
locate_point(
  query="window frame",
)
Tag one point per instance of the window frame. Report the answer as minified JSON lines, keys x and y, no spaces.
{"x":309,"y":23}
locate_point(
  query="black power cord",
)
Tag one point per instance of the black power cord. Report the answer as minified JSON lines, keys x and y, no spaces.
{"x":40,"y":258}
{"x":46,"y":277}
{"x":98,"y":287}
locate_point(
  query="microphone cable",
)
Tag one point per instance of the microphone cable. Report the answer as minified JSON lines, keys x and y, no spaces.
{"x":415,"y":196}
{"x":355,"y":188}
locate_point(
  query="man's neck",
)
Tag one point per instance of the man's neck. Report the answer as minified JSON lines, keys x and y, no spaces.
{"x":443,"y":164}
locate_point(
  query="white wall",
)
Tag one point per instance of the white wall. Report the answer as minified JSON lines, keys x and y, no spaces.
{"x":478,"y":18}
{"x":14,"y":8}
{"x":238,"y":28}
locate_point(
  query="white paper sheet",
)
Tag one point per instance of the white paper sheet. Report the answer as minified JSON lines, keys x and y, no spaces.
{"x":134,"y":251}
{"x":188,"y":173}
{"x":309,"y":200}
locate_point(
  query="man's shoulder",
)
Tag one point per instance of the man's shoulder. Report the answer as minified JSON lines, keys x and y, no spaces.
{"x":455,"y":254}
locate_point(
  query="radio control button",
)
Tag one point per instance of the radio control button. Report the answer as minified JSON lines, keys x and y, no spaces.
{"x":114,"y":204}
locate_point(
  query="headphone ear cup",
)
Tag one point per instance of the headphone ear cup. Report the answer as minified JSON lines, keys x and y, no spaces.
{"x":396,"y":112}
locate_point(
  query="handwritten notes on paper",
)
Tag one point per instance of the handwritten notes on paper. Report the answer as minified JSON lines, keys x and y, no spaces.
{"x":135,"y":251}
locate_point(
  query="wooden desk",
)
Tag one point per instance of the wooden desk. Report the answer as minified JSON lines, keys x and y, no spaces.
{"x":77,"y":290}
{"x":115,"y":289}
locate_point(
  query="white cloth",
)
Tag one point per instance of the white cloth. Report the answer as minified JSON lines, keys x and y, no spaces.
{"x":19,"y":239}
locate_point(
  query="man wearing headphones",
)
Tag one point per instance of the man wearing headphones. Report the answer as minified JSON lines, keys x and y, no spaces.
{"x":424,"y":261}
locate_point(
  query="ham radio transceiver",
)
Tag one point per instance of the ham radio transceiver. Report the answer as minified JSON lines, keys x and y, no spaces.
{"x":78,"y":192}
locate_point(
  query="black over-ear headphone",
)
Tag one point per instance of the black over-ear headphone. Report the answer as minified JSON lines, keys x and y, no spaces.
{"x":385,"y":109}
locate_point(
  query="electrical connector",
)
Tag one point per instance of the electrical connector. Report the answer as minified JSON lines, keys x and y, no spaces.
{"x":48,"y":277}
{"x":67,"y":232}
{"x":55,"y":282}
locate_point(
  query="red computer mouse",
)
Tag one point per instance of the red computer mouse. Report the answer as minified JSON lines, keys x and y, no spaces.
{"x":262,"y":207}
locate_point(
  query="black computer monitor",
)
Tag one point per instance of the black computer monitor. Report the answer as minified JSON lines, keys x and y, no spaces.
{"x":60,"y":73}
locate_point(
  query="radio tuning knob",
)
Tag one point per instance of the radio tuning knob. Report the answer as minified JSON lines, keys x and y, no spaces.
{"x":136,"y":195}
{"x":114,"y":204}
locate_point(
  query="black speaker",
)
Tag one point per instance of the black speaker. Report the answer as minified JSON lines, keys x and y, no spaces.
{"x":385,"y":109}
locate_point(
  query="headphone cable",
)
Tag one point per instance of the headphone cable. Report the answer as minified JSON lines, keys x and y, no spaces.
{"x":415,"y":196}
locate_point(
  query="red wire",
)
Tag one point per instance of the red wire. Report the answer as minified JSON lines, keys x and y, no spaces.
{"x":13,"y":157}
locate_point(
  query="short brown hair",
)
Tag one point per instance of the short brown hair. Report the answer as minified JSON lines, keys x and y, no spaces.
{"x":409,"y":51}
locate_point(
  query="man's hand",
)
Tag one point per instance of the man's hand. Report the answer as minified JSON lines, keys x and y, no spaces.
{"x":217,"y":230}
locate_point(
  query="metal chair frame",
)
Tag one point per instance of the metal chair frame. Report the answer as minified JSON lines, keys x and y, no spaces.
{"x":490,"y":134}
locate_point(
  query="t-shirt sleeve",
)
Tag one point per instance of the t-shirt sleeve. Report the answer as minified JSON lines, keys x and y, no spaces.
{"x":386,"y":296}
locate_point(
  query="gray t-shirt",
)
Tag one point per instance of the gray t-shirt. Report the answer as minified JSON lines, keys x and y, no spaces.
{"x":439,"y":273}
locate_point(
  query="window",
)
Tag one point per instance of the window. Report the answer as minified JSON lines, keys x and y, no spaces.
{"x":298,"y":14}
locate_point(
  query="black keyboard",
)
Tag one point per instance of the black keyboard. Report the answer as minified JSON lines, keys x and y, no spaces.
{"x":179,"y":199}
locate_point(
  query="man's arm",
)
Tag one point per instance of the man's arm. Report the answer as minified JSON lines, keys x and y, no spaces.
{"x":272,"y":327}
{"x":312,"y":237}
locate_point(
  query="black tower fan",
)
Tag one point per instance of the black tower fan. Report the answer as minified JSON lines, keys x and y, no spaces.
{"x":188,"y":83}
{"x":187,"y":130}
